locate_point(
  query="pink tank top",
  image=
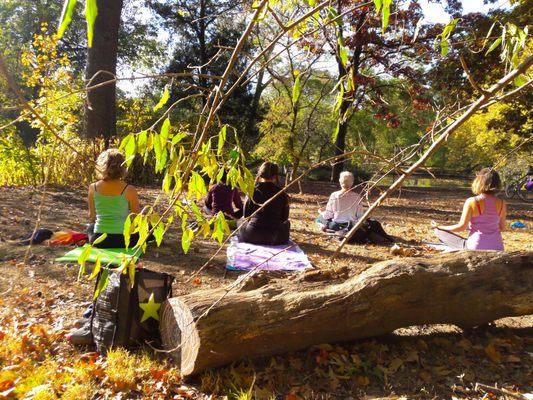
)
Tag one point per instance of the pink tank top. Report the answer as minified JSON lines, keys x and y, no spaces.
{"x":485,"y":228}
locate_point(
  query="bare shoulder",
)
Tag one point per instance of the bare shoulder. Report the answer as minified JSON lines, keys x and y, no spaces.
{"x":131,"y":190}
{"x":471,"y":200}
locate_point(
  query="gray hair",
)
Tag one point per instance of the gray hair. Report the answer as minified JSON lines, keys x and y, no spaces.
{"x":346,"y":180}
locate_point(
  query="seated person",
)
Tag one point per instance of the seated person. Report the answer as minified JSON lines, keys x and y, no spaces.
{"x":484,"y":215}
{"x":270,"y":225}
{"x":222,"y":197}
{"x":529,"y":179}
{"x":111,"y":200}
{"x":344,"y":206}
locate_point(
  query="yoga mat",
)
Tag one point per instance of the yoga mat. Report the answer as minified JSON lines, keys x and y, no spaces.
{"x":107,"y":256}
{"x":246,"y":256}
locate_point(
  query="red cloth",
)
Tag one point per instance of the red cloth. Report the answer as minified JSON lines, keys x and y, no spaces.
{"x":67,"y":238}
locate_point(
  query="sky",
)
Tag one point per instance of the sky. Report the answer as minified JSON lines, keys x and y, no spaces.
{"x":434,"y":13}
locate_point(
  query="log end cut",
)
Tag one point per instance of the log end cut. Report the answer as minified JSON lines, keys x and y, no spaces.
{"x":179,"y":334}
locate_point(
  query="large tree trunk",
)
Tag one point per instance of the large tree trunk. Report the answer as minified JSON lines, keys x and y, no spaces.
{"x":465,"y":289}
{"x":101,"y":108}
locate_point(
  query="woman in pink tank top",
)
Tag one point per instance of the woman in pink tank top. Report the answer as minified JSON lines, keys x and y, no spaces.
{"x":483,"y":215}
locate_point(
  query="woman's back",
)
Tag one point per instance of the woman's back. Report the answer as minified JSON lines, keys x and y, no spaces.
{"x":484,"y":226}
{"x":111,"y":206}
{"x":274,"y":213}
{"x":344,"y":206}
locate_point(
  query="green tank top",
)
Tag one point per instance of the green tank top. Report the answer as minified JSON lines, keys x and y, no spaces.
{"x":111,"y":212}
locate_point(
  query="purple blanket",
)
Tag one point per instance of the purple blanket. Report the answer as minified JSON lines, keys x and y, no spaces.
{"x":246,"y":256}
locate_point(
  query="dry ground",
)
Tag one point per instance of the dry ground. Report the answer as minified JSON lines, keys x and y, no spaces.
{"x":425,"y":362}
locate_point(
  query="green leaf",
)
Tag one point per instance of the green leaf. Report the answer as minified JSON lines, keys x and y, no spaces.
{"x":493,"y":46}
{"x":131,"y":272}
{"x":221,"y":139}
{"x":220,"y":174}
{"x":221,"y":227}
{"x":128,"y":144}
{"x":82,"y":259}
{"x":167,"y":182}
{"x":234,"y":155}
{"x":165,"y":131}
{"x":91,"y":11}
{"x":197,"y":186}
{"x":343,"y":54}
{"x":488,"y":34}
{"x":66,"y":17}
{"x":127,"y":231}
{"x":159,"y":232}
{"x":296,"y":90}
{"x":520,"y":80}
{"x":249,"y":183}
{"x":378,"y":4}
{"x":444,"y":47}
{"x":163,"y":100}
{"x":178,"y":138}
{"x":100,"y":238}
{"x":335,"y":132}
{"x":102,"y":283}
{"x":186,"y":239}
{"x":144,"y":229}
{"x":385,"y":14}
{"x":161,"y":153}
{"x":96,"y":269}
{"x":312,"y":3}
{"x":142,"y":141}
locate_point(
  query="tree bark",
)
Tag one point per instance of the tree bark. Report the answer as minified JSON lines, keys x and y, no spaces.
{"x":101,"y":108}
{"x":206,"y":329}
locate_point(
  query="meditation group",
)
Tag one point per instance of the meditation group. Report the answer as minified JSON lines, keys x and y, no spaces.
{"x":263,"y":220}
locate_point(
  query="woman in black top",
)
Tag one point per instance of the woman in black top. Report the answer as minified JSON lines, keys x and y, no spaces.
{"x":270,"y":225}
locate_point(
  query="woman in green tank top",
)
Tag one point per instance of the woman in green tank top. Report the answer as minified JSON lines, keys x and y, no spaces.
{"x":111,"y":200}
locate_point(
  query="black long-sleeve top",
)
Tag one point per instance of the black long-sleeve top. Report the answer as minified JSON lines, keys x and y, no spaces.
{"x":274,"y":214}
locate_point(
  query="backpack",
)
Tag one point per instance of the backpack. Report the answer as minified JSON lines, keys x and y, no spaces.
{"x":371,"y":232}
{"x":126,"y":315}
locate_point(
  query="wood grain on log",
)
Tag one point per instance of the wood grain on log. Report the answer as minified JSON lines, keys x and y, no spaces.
{"x":465,"y":289}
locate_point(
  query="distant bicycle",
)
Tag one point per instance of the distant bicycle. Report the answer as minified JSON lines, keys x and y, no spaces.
{"x":521,"y":187}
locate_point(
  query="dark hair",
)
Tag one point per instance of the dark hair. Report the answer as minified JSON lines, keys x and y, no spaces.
{"x":487,"y":181}
{"x":268,"y":170}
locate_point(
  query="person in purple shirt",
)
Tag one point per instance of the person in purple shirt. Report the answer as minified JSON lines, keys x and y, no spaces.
{"x":222,"y":197}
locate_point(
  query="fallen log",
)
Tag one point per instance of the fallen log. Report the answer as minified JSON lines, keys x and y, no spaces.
{"x":203,"y":331}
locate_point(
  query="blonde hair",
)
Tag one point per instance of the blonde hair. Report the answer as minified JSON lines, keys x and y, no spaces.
{"x":487,"y":181}
{"x":111,"y":165}
{"x":346,"y":180}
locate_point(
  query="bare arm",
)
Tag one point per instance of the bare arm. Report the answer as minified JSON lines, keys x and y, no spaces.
{"x":503,"y":216}
{"x":133,"y":200}
{"x":463,"y":222}
{"x":90,"y":201}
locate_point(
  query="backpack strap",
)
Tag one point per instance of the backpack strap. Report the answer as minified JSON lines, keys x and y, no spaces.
{"x":123,"y":190}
